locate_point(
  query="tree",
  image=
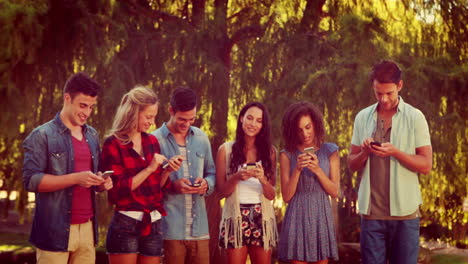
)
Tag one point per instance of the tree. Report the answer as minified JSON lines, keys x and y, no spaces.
{"x":232,"y":52}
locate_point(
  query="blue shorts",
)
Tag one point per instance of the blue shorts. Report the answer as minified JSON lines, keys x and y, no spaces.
{"x":124,"y":237}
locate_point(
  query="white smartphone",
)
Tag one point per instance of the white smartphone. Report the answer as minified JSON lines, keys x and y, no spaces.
{"x":106,"y":174}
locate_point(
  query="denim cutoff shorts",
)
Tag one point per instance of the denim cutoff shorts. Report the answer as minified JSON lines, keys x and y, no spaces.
{"x":124,"y":237}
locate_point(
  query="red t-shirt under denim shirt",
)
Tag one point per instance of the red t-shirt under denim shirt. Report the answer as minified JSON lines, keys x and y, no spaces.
{"x":82,"y":207}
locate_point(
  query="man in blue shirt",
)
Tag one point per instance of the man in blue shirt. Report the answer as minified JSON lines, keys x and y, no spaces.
{"x":185,"y":228}
{"x":390,"y":145}
{"x":60,"y":161}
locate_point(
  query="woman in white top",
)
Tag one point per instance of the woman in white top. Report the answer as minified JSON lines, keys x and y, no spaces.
{"x":245,"y":175}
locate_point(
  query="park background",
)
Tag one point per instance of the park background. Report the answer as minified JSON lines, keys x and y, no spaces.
{"x":232,"y":52}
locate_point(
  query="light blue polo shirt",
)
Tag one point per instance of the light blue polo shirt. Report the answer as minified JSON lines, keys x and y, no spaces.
{"x":409,"y":131}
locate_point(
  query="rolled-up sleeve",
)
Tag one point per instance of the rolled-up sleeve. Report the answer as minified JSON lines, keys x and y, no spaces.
{"x":421,"y":130}
{"x":209,"y":168}
{"x":35,"y":160}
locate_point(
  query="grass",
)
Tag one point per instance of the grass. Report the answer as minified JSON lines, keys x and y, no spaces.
{"x":448,"y":259}
{"x":18,"y":243}
{"x":13,"y":241}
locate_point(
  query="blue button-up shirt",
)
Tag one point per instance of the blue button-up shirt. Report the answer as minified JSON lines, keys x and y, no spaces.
{"x":409,"y":131}
{"x":48,"y":150}
{"x":200,"y":163}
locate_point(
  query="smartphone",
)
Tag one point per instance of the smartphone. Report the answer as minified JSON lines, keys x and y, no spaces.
{"x":309,"y":150}
{"x":375,"y":143}
{"x":106,"y":174}
{"x":165,"y":164}
{"x":251,"y":166}
{"x":197,"y":184}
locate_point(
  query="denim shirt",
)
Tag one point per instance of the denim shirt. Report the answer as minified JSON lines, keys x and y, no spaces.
{"x":48,"y":150}
{"x":409,"y":131}
{"x":200,"y":162}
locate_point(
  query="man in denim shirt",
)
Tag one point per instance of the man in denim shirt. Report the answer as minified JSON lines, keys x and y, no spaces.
{"x":185,"y":227}
{"x":59,"y":160}
{"x":391,"y":144}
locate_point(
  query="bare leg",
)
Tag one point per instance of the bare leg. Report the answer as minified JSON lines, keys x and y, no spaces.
{"x":123,"y":258}
{"x":258,"y":255}
{"x":148,"y":260}
{"x":237,"y":255}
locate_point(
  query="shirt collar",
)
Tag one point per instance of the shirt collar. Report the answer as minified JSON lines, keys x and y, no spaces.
{"x":166,"y":132}
{"x":400,"y":107}
{"x":401,"y":104}
{"x":62,"y":128}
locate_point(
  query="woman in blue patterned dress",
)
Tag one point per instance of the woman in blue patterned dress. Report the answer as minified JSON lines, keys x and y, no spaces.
{"x":307,"y":181}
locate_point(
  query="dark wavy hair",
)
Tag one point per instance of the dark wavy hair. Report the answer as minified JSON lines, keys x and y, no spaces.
{"x":183,"y":99}
{"x":262,"y":141}
{"x":385,"y":72}
{"x":81,"y":83}
{"x":291,"y":122}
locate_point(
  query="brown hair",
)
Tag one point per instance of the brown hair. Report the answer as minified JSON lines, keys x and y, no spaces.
{"x":291,"y":122}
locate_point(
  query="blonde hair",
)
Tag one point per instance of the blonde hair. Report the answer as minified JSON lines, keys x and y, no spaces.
{"x":126,"y":118}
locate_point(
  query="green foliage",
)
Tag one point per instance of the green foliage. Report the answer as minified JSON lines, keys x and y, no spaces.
{"x":232,"y":52}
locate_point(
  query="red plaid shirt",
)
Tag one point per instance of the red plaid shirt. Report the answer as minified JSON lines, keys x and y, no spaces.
{"x":126,"y":163}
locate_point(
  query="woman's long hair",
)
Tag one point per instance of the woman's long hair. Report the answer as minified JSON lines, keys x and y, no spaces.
{"x":126,"y":118}
{"x":262,"y":141}
{"x":290,"y":124}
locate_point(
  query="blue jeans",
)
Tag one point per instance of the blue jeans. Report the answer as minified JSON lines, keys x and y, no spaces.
{"x":393,"y":240}
{"x":124,"y":237}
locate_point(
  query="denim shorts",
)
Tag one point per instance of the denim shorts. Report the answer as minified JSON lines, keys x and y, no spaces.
{"x":124,"y":237}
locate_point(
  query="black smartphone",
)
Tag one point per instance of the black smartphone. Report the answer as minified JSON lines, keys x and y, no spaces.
{"x":251,"y":166}
{"x":376,"y":143}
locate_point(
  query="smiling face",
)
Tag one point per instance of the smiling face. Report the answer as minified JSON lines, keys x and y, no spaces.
{"x":306,"y":130}
{"x":77,"y":110}
{"x":146,"y":117}
{"x":252,"y":121}
{"x":180,"y":122}
{"x":387,"y":94}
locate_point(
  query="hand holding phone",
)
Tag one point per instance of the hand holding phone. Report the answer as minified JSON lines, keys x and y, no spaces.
{"x":106,"y":174}
{"x":375,"y":143}
{"x":166,"y":163}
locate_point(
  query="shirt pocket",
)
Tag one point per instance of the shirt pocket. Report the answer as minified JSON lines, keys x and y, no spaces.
{"x":58,"y":162}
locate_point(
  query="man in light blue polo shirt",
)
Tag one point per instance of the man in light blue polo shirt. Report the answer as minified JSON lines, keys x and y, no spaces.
{"x":185,"y":228}
{"x":390,"y":146}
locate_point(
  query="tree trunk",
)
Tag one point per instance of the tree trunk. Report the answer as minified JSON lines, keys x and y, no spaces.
{"x":6,"y":207}
{"x":219,"y":98}
{"x":312,"y":16}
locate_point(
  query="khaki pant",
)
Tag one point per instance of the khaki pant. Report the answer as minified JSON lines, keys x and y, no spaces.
{"x":186,"y":252}
{"x":80,"y":248}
